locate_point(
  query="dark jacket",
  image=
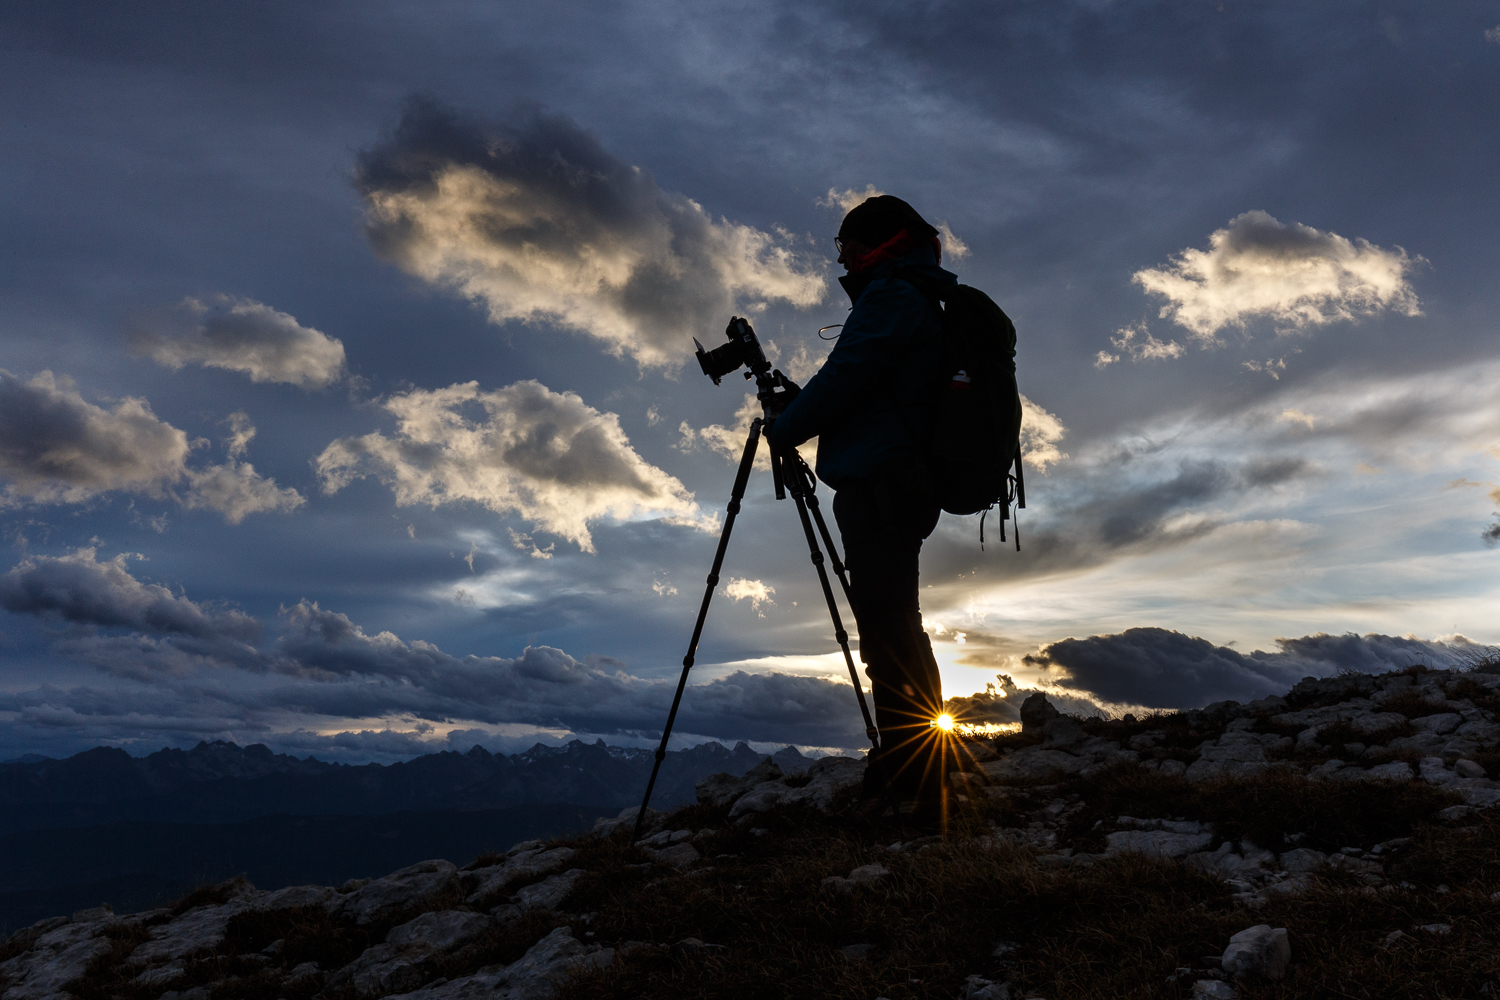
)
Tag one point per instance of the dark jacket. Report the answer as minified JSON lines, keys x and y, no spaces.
{"x":871,"y":403}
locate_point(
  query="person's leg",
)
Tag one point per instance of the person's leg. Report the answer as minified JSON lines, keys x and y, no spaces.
{"x":882,"y":533}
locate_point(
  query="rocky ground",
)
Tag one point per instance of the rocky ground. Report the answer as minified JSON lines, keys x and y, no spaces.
{"x":1337,"y":841}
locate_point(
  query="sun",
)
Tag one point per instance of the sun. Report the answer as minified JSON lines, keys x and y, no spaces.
{"x":944,"y":722}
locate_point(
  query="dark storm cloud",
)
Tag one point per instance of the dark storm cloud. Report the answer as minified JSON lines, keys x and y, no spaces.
{"x":57,"y":447}
{"x":1165,"y":669}
{"x":80,"y":589}
{"x":534,"y":218}
{"x":323,"y":664}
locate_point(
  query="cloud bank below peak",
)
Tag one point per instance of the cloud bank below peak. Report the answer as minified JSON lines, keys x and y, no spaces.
{"x":323,"y":666}
{"x":535,"y":219}
{"x":1159,"y":668}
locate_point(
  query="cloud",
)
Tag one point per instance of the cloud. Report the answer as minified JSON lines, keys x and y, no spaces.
{"x":1493,"y":35}
{"x":953,"y":247}
{"x":1159,"y":668}
{"x":1137,"y":342}
{"x":80,"y":589}
{"x":240,"y":335}
{"x":56,"y":447}
{"x":323,"y":666}
{"x":182,"y":636}
{"x":536,"y":220}
{"x":1292,"y":415}
{"x":1040,"y":433}
{"x":848,"y":198}
{"x":754,"y":591}
{"x":546,"y":456}
{"x":1003,"y":705}
{"x":1295,"y":275}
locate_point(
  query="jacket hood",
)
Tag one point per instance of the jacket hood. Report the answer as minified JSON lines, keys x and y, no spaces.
{"x":921,"y":257}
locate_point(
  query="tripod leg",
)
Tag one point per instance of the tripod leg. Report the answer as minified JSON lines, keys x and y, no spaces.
{"x":747,"y":462}
{"x":799,"y":489}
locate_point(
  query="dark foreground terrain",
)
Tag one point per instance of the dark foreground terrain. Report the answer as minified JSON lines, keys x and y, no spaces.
{"x":1079,"y":859}
{"x":135,"y":866}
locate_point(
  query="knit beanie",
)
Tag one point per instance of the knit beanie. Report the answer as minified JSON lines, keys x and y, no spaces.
{"x":876,"y":220}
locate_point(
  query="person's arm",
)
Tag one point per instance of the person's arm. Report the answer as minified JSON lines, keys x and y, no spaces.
{"x":879,"y":331}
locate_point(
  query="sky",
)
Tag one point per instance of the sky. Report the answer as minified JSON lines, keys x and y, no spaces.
{"x":347,"y":400}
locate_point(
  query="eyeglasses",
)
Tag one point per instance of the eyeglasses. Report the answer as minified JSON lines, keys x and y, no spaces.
{"x":838,"y":244}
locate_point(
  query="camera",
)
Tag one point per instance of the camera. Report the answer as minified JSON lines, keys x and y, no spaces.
{"x":742,"y":349}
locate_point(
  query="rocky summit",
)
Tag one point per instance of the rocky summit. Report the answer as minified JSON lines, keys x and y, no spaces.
{"x":1339,"y":840}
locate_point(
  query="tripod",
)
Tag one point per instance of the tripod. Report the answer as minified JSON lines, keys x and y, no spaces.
{"x":790,"y":474}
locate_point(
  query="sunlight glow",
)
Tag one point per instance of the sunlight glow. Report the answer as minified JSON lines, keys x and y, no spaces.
{"x":944,"y":722}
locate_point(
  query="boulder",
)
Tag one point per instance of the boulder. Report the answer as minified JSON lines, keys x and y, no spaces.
{"x":488,"y":882}
{"x":680,"y":855}
{"x":1236,"y":754}
{"x":1036,"y":712}
{"x":1302,"y":860}
{"x":529,"y":978}
{"x":604,"y":825}
{"x":865,"y":875}
{"x":440,"y":930}
{"x":549,"y":893}
{"x":1156,"y":843}
{"x":1468,"y":769}
{"x":417,"y":887}
{"x":1443,"y":723}
{"x":198,"y":928}
{"x":298,"y":896}
{"x":1213,"y":989}
{"x":1259,"y":952}
{"x":1034,"y":764}
{"x":55,"y":961}
{"x":826,"y":778}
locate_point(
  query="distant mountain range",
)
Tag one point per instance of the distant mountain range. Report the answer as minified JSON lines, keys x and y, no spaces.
{"x":221,"y":782}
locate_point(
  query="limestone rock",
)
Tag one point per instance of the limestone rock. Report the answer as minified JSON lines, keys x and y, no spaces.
{"x":1034,"y":764}
{"x":1469,"y":769}
{"x":54,"y":962}
{"x":1259,"y":952}
{"x":549,"y":893}
{"x":865,"y":875}
{"x":529,"y":978}
{"x":1442,"y":724}
{"x":1236,"y":754}
{"x":490,"y":881}
{"x":1302,"y":860}
{"x":1156,"y":843}
{"x":826,"y":778}
{"x":412,"y":888}
{"x":680,"y":855}
{"x":297,"y":896}
{"x":440,"y":930}
{"x":723,"y":789}
{"x":604,"y":825}
{"x":200,"y":927}
{"x":1036,"y":712}
{"x":1213,"y":989}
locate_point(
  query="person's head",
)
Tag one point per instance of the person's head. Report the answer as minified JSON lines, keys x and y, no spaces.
{"x":873,"y":223}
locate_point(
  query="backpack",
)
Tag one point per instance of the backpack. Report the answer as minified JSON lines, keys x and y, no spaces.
{"x":976,"y":429}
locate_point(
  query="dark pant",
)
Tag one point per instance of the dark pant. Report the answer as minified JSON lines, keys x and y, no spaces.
{"x":883,"y":521}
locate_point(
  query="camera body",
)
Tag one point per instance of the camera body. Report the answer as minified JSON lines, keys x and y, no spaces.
{"x":743,"y":349}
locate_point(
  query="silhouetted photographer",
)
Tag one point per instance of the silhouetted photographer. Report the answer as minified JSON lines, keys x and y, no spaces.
{"x":916,"y":412}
